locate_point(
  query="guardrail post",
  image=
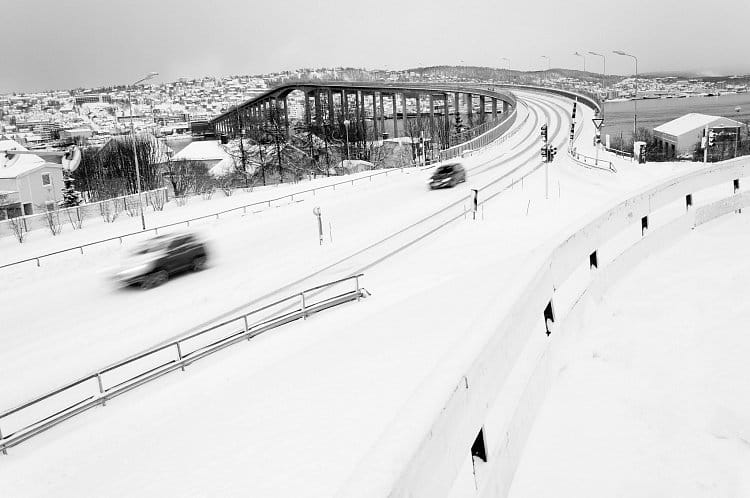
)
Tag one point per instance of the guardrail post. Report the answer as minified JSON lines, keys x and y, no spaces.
{"x":304,"y":313}
{"x":356,"y":282}
{"x":179,"y":355}
{"x":247,"y":329}
{"x":101,"y":388}
{"x":38,"y":264}
{"x":81,"y":248}
{"x":5,"y":450}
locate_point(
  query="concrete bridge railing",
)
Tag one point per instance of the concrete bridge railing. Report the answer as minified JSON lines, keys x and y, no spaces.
{"x":473,"y":414}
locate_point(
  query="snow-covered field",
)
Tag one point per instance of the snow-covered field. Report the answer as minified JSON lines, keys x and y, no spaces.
{"x":651,"y":402}
{"x":292,"y":412}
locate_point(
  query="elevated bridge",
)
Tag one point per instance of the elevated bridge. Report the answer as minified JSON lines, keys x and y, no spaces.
{"x":372,"y":111}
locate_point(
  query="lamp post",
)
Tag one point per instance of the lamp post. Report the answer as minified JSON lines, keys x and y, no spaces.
{"x":549,"y":65}
{"x":604,"y":61}
{"x":584,"y":59}
{"x":135,"y":152}
{"x":635,"y":98}
{"x":346,"y":127}
{"x":604,"y":73}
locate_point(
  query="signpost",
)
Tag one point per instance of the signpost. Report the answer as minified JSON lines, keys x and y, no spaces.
{"x":598,"y":124}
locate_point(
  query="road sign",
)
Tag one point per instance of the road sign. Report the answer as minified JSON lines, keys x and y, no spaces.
{"x":598,"y":122}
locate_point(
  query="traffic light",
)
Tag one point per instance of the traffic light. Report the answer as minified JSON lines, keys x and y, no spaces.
{"x":711,"y":138}
{"x":545,"y":152}
{"x":544,"y":132}
{"x":572,"y":131}
{"x":598,"y":137}
{"x":552,"y":152}
{"x":574,"y":109}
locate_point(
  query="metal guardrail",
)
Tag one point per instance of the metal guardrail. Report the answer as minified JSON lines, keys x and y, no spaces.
{"x":482,"y":140}
{"x":187,"y":222}
{"x":44,"y":412}
{"x":591,"y":162}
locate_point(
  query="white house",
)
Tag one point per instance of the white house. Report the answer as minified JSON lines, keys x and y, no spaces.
{"x":680,"y":136}
{"x":212,"y":153}
{"x":28,"y":183}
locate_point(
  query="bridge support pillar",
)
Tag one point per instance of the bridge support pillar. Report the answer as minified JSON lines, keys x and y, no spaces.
{"x":375,"y":128}
{"x":363,"y":115}
{"x":331,"y":109}
{"x":395,"y":115}
{"x":382,"y":114}
{"x":481,"y":108}
{"x":470,"y":109}
{"x":286,"y":115}
{"x":405,"y":114}
{"x":446,"y":121}
{"x":318,"y":108}
{"x":418,"y":98}
{"x":432,"y":118}
{"x":344,"y":104}
{"x":494,"y":108}
{"x":308,"y":118}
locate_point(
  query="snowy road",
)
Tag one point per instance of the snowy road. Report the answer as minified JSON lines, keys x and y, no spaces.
{"x":291,"y":413}
{"x":69,"y":319}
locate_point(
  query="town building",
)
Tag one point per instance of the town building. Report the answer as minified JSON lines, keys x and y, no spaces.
{"x":680,"y":136}
{"x":28,"y":183}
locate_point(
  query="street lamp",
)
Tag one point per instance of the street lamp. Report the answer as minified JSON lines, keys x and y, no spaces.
{"x":135,"y":152}
{"x":584,"y":60}
{"x":549,"y":65}
{"x":346,"y":127}
{"x":635,"y":98}
{"x":604,"y":60}
{"x":604,"y":73}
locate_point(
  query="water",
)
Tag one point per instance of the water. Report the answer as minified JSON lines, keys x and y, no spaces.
{"x":618,"y":116}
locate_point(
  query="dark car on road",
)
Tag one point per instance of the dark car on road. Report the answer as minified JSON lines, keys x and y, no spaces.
{"x":152,"y":262}
{"x":448,"y":175}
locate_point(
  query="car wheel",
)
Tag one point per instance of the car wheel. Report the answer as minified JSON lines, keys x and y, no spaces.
{"x":199,"y":263}
{"x":154,"y":279}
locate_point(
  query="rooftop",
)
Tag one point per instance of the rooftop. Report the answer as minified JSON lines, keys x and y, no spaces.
{"x":695,"y":121}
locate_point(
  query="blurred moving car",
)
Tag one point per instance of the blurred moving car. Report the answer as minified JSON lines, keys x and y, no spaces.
{"x":448,"y":175}
{"x":151,"y":263}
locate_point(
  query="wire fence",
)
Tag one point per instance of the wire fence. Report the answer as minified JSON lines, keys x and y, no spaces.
{"x":215,"y":215}
{"x":108,"y":209}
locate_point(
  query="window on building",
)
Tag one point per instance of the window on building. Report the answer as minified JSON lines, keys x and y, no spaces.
{"x":46,"y":180}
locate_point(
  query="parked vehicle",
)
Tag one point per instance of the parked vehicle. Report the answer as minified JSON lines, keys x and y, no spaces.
{"x":152,"y":262}
{"x":448,"y":175}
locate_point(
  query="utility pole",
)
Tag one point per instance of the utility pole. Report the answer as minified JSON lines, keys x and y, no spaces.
{"x":135,"y":151}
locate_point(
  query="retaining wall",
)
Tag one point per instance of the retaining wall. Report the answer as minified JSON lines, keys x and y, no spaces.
{"x":497,"y":381}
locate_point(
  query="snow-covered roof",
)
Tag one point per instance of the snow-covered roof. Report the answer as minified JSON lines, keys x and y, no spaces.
{"x":207,"y":150}
{"x":694,"y":121}
{"x":21,"y":164}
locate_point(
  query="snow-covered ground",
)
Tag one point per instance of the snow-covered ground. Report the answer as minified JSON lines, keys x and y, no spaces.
{"x":651,"y":402}
{"x":88,"y":322}
{"x":291,"y":412}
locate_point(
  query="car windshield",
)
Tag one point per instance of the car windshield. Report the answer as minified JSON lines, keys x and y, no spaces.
{"x":444,"y":170}
{"x":148,"y":246}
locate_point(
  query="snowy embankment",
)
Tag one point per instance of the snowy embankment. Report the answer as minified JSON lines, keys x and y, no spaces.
{"x":293,"y":412}
{"x":651,"y":401}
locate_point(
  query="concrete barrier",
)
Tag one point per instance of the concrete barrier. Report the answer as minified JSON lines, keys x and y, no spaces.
{"x":487,"y":392}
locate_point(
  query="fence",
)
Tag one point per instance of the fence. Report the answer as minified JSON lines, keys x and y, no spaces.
{"x":482,"y":140}
{"x":187,"y":222}
{"x":44,"y":412}
{"x":591,"y":162}
{"x":109,"y":209}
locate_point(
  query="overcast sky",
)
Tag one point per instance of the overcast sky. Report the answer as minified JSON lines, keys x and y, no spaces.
{"x":61,"y":44}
